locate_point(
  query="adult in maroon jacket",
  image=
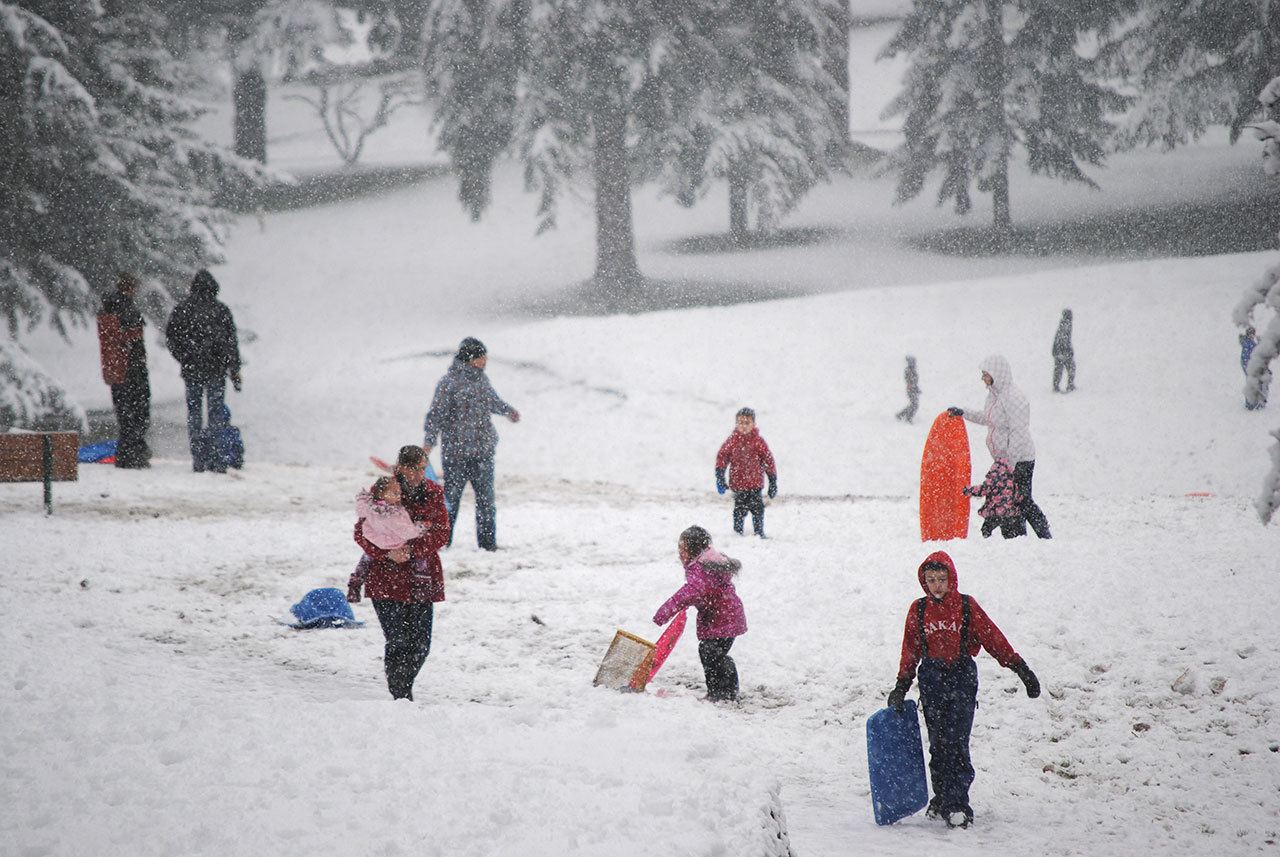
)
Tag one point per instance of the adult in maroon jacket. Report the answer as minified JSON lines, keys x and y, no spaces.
{"x":406,"y":612}
{"x":943,"y":632}
{"x":748,"y":460}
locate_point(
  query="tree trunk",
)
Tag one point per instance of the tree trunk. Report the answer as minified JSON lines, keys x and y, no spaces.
{"x":616,"y":268}
{"x":249,"y":95}
{"x":739,"y":181}
{"x":1001,"y":217}
{"x":998,"y":122}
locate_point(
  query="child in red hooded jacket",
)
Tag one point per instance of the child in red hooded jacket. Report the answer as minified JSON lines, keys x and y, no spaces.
{"x":943,"y":631}
{"x":748,"y":460}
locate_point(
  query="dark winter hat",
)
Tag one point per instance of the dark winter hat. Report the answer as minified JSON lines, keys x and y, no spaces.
{"x":695,"y":539}
{"x":471,"y":349}
{"x":204,"y":285}
{"x":746,"y":412}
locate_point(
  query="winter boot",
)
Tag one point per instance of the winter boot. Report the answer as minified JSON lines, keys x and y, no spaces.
{"x":961,"y":818}
{"x":934,"y":809}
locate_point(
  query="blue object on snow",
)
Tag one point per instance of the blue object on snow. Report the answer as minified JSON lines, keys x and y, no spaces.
{"x":721,"y":487}
{"x":895,"y":763}
{"x":324,"y":608}
{"x":219,"y":445}
{"x":95,"y":452}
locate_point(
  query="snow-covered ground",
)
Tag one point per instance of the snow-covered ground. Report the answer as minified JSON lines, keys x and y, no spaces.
{"x":157,"y":708}
{"x":154,"y":706}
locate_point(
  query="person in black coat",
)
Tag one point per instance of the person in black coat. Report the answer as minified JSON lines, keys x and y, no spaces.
{"x":912,"y":377}
{"x":202,"y":338}
{"x":124,"y":368}
{"x":1064,"y":354}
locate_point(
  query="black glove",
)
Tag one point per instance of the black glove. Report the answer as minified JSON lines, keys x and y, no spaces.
{"x":720,"y":483}
{"x":773,"y":485}
{"x":899,"y":694}
{"x":1028,"y":678}
{"x":955,"y":412}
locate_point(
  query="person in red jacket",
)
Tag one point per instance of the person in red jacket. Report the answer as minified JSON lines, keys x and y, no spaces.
{"x":748,"y":460}
{"x":393,"y":578}
{"x":124,"y":368}
{"x":943,"y":632}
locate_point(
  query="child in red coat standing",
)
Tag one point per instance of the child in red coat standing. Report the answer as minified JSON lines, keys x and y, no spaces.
{"x":944,"y":630}
{"x":748,"y":460}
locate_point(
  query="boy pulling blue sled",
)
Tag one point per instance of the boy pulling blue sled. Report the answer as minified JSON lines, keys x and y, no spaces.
{"x":944,"y":630}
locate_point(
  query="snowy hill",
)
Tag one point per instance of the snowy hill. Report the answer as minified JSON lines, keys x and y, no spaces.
{"x":157,"y":698}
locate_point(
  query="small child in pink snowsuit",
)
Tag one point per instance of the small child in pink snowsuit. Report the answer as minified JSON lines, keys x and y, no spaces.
{"x":1001,"y":508}
{"x":709,"y":588}
{"x":386,"y":523}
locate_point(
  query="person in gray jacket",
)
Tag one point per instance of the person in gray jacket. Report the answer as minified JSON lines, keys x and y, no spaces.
{"x":1007,"y":416}
{"x":460,"y":417}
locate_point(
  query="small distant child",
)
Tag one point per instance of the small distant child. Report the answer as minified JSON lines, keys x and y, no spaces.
{"x":386,"y":524}
{"x":1064,"y":354}
{"x":912,"y":377}
{"x":943,"y":632}
{"x":1248,"y":342}
{"x":748,"y":460}
{"x":709,"y":588}
{"x":1001,"y":508}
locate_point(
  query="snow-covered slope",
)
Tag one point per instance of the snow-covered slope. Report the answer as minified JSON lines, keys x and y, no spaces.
{"x":158,"y":709}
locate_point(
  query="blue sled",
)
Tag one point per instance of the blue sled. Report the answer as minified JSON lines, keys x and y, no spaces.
{"x":895,"y":763}
{"x":95,"y":452}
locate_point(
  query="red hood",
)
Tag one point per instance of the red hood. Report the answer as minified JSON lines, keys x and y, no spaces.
{"x":945,"y":559}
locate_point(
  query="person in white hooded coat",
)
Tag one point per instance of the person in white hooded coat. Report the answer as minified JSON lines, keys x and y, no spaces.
{"x":1007,"y":416}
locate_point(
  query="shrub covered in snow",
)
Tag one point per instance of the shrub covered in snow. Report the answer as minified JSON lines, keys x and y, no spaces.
{"x":29,"y":397}
{"x":1263,"y":294}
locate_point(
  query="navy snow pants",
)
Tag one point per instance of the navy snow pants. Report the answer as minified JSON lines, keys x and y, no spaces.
{"x":949,"y":695}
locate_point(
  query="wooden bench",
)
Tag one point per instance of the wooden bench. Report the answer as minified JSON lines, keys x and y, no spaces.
{"x":32,"y":456}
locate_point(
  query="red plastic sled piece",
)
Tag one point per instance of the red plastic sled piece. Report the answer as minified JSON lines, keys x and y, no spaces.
{"x":944,"y":474}
{"x":667,"y":642}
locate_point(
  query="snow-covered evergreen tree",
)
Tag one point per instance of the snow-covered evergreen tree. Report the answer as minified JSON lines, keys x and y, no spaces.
{"x":771,"y":117}
{"x":1262,"y":295}
{"x":30,"y":397}
{"x":583,"y":91}
{"x":98,"y":170}
{"x":989,"y":77}
{"x":1195,"y":63}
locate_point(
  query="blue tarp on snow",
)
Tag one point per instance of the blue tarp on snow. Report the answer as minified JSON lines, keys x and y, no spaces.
{"x":324,"y":608}
{"x":95,"y":452}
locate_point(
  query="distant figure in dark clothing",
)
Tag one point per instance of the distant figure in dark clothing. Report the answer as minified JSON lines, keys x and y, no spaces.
{"x":908,"y":413}
{"x":1248,"y":342}
{"x":459,"y":418}
{"x":124,"y":367}
{"x":202,"y":338}
{"x":1064,"y":354}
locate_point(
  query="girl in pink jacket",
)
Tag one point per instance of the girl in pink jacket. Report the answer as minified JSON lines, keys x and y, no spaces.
{"x":1003,"y":507}
{"x":709,"y":588}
